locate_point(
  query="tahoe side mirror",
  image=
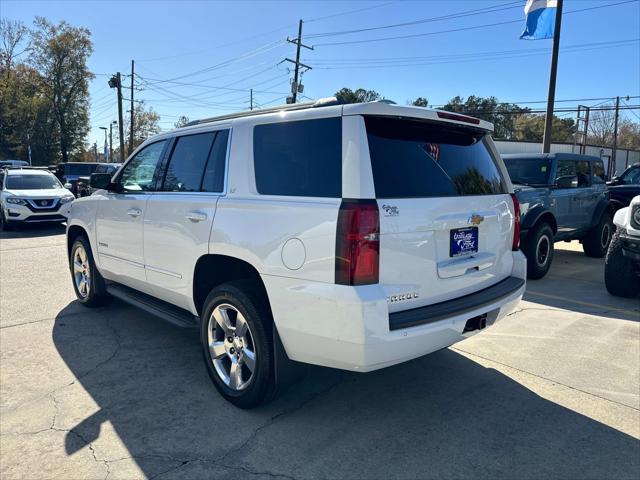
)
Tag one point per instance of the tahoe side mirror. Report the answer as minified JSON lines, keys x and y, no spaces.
{"x":100,"y":181}
{"x":567,"y":181}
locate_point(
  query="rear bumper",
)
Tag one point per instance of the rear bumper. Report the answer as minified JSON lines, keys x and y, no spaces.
{"x":350,"y":327}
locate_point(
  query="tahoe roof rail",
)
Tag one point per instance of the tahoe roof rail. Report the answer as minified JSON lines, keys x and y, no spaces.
{"x":322,"y":102}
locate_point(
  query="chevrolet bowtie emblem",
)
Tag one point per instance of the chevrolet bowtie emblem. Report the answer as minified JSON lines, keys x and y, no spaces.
{"x":476,"y":219}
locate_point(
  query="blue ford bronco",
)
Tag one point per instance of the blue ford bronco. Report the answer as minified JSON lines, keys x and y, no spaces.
{"x":562,"y":196}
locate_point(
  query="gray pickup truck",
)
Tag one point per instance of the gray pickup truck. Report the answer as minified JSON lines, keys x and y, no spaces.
{"x":562,"y":196}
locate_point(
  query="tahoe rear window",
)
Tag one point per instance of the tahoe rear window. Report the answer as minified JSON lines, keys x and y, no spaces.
{"x":412,"y":158}
{"x":302,"y":159}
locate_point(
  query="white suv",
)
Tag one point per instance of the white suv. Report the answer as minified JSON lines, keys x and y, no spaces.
{"x":31,"y":196}
{"x":349,"y":236}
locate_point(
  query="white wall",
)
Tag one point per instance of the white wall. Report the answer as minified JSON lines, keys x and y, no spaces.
{"x":624,"y":157}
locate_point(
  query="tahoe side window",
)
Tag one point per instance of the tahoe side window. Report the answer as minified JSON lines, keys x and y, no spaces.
{"x":412,"y":159}
{"x":598,"y":172}
{"x":302,"y":158}
{"x":197,"y":163}
{"x":138,"y":173}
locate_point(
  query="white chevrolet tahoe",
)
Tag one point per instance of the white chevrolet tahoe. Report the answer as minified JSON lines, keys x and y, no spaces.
{"x":349,"y":236}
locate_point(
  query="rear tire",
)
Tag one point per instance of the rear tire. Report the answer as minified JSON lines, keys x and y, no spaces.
{"x":596,"y":242}
{"x":619,"y":272}
{"x":87,"y":282}
{"x":237,"y":344}
{"x":538,"y":248}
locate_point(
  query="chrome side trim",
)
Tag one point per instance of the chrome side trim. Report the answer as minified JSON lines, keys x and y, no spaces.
{"x":124,"y":260}
{"x":164,"y":272}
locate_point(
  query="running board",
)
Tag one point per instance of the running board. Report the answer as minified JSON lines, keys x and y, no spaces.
{"x":170,"y":313}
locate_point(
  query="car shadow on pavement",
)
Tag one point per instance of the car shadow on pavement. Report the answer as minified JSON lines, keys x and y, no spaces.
{"x":576,"y":282}
{"x":439,"y":416}
{"x":34,"y":231}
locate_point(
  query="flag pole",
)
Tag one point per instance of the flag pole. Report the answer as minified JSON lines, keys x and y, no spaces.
{"x":548,"y":121}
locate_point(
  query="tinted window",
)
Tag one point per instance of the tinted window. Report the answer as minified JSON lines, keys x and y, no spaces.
{"x":598,"y":172}
{"x":299,"y":158}
{"x":418,"y":159}
{"x":197,"y":163}
{"x":631,"y":177}
{"x":583,"y":170}
{"x":190,"y":154}
{"x":138,"y":173}
{"x":79,"y":169}
{"x":32,"y":182}
{"x":566,"y":174}
{"x":213,"y":180}
{"x":529,"y":171}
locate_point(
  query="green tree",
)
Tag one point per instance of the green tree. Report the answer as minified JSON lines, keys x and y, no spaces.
{"x":530,"y":127}
{"x":346,"y":95}
{"x":420,"y":102}
{"x":181,"y":122}
{"x":59,"y":53}
{"x":502,"y":115}
{"x":146,"y":124}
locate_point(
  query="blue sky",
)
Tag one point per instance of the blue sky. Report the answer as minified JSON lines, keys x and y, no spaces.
{"x":172,"y":41}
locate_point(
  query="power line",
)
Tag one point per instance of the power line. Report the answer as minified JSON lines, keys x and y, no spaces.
{"x":349,"y":12}
{"x":322,"y":61}
{"x":630,"y":110}
{"x":461,"y":29}
{"x":452,"y":16}
{"x":464,"y":58}
{"x":258,"y":51}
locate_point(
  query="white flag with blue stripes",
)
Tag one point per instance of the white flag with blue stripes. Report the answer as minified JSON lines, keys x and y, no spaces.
{"x":541,"y":19}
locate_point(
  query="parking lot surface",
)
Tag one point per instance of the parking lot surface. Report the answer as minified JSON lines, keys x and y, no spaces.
{"x":553,"y":391}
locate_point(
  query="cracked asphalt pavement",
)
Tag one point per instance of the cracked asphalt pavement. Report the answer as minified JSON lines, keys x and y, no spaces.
{"x":553,"y":391}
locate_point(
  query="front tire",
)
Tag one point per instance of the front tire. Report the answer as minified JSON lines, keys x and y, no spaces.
{"x":87,"y":281}
{"x":619,"y":275}
{"x":5,"y":226}
{"x":538,"y":249}
{"x":596,"y":242}
{"x":237,"y":344}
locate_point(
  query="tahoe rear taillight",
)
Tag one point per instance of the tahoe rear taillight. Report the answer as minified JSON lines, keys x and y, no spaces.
{"x":358,"y":243}
{"x":516,"y":226}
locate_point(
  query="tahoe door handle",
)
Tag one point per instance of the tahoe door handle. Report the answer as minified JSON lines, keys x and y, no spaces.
{"x":196,"y":216}
{"x":134,"y":212}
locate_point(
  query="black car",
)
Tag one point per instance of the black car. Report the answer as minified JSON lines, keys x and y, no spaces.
{"x":69,"y":172}
{"x":83,"y":186}
{"x":625,"y":186}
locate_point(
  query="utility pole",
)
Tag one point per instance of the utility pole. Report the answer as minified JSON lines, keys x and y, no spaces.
{"x":95,"y":151}
{"x":116,"y":82}
{"x":111,"y":141}
{"x":251,"y":99}
{"x":548,"y":121}
{"x":612,"y":158}
{"x":132,"y":111}
{"x":105,"y":141}
{"x":295,"y":87}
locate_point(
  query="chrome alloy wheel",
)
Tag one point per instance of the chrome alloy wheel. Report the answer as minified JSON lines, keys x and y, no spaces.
{"x":542,"y":250}
{"x":81,"y":271}
{"x":231,"y":347}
